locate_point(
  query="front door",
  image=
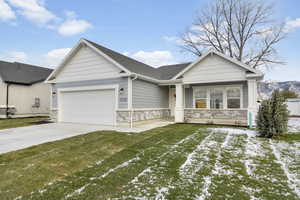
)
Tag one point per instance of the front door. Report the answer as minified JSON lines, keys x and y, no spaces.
{"x":172,"y":100}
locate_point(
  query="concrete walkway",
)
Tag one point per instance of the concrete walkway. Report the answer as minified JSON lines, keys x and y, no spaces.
{"x":23,"y":137}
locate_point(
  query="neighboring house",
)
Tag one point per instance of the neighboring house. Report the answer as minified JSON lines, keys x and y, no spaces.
{"x":96,"y":85}
{"x":293,"y":106}
{"x":23,"y":91}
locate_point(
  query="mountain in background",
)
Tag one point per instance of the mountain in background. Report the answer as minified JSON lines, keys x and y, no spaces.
{"x":267,"y":87}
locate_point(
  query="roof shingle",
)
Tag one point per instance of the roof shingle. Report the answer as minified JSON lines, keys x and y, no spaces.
{"x":129,"y":63}
{"x":20,"y":73}
{"x":162,"y":73}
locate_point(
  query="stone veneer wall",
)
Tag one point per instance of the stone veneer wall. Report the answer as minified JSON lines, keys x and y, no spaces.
{"x":11,"y":111}
{"x":124,"y":116}
{"x":227,"y":117}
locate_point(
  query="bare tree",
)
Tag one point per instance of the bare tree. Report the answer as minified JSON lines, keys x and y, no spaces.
{"x":242,"y":29}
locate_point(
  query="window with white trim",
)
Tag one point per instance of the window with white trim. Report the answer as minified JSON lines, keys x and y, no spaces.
{"x":200,"y":98}
{"x":216,"y":98}
{"x":233,"y":97}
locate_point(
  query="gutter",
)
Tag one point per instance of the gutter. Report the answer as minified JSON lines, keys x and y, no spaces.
{"x":7,"y":99}
{"x":153,"y":80}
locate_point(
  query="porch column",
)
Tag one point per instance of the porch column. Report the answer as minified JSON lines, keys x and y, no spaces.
{"x":252,"y":101}
{"x":179,"y":108}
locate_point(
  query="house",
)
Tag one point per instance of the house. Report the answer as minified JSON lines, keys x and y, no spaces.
{"x":23,"y":91}
{"x":97,"y":85}
{"x":293,"y":105}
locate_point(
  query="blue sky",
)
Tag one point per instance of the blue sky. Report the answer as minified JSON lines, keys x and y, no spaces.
{"x":42,"y":31}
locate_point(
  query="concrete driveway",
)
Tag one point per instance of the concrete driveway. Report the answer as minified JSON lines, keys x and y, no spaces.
{"x":20,"y":138}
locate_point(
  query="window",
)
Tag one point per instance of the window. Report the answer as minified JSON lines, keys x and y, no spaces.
{"x":37,"y":102}
{"x":216,"y":99}
{"x":233,"y":98}
{"x":200,"y":98}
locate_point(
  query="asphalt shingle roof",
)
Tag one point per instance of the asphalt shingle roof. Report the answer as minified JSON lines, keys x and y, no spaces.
{"x":169,"y":71}
{"x":20,"y":73}
{"x":161,"y":73}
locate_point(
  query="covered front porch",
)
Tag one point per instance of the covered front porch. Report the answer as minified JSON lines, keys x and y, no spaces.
{"x":224,"y":103}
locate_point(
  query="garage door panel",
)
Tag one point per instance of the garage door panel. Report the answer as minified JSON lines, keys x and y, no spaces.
{"x":93,"y":107}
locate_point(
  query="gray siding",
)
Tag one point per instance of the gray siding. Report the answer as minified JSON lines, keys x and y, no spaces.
{"x":189,"y":93}
{"x":123,"y":83}
{"x":149,"y":95}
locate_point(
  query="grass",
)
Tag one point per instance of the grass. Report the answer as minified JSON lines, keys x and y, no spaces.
{"x":182,"y":161}
{"x":19,"y":122}
{"x":289,"y":137}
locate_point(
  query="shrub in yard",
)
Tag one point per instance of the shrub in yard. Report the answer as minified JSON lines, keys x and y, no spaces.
{"x":263,"y":119}
{"x":272,"y":117}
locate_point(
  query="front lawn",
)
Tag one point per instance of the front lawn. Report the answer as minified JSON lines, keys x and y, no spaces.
{"x":182,"y":161}
{"x":19,"y":122}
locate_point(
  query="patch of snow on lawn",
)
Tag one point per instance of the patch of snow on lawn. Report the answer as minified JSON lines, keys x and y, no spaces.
{"x":124,"y":164}
{"x":293,"y":182}
{"x":143,"y":173}
{"x":294,"y":125}
{"x":218,"y":166}
{"x":234,"y":131}
{"x":148,"y":170}
{"x":78,"y":191}
{"x":99,"y":162}
{"x":190,"y":158}
{"x":161,"y":192}
{"x":216,"y":170}
{"x":207,"y":183}
{"x":253,"y":149}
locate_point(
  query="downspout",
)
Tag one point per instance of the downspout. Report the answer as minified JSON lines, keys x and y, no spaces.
{"x":131,"y":109}
{"x":7,"y":100}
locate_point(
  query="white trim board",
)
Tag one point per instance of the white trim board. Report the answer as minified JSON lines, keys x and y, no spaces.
{"x":224,"y":88}
{"x":129,"y":93}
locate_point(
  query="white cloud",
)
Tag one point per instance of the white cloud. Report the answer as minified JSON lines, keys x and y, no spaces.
{"x":15,"y":56}
{"x":73,"y":26}
{"x":174,"y":39}
{"x":18,"y":55}
{"x":34,"y":10}
{"x":265,"y":32}
{"x":154,"y":58}
{"x":55,"y":56}
{"x":6,"y":13}
{"x":292,"y":25}
{"x":126,"y":53}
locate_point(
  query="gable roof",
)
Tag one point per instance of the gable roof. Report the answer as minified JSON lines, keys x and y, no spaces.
{"x":20,"y":73}
{"x":129,"y":65}
{"x":212,"y":51}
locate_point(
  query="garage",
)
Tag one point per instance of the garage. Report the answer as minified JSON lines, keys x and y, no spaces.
{"x":96,"y":106}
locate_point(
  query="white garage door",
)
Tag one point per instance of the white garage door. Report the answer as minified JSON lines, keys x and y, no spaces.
{"x":92,"y":107}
